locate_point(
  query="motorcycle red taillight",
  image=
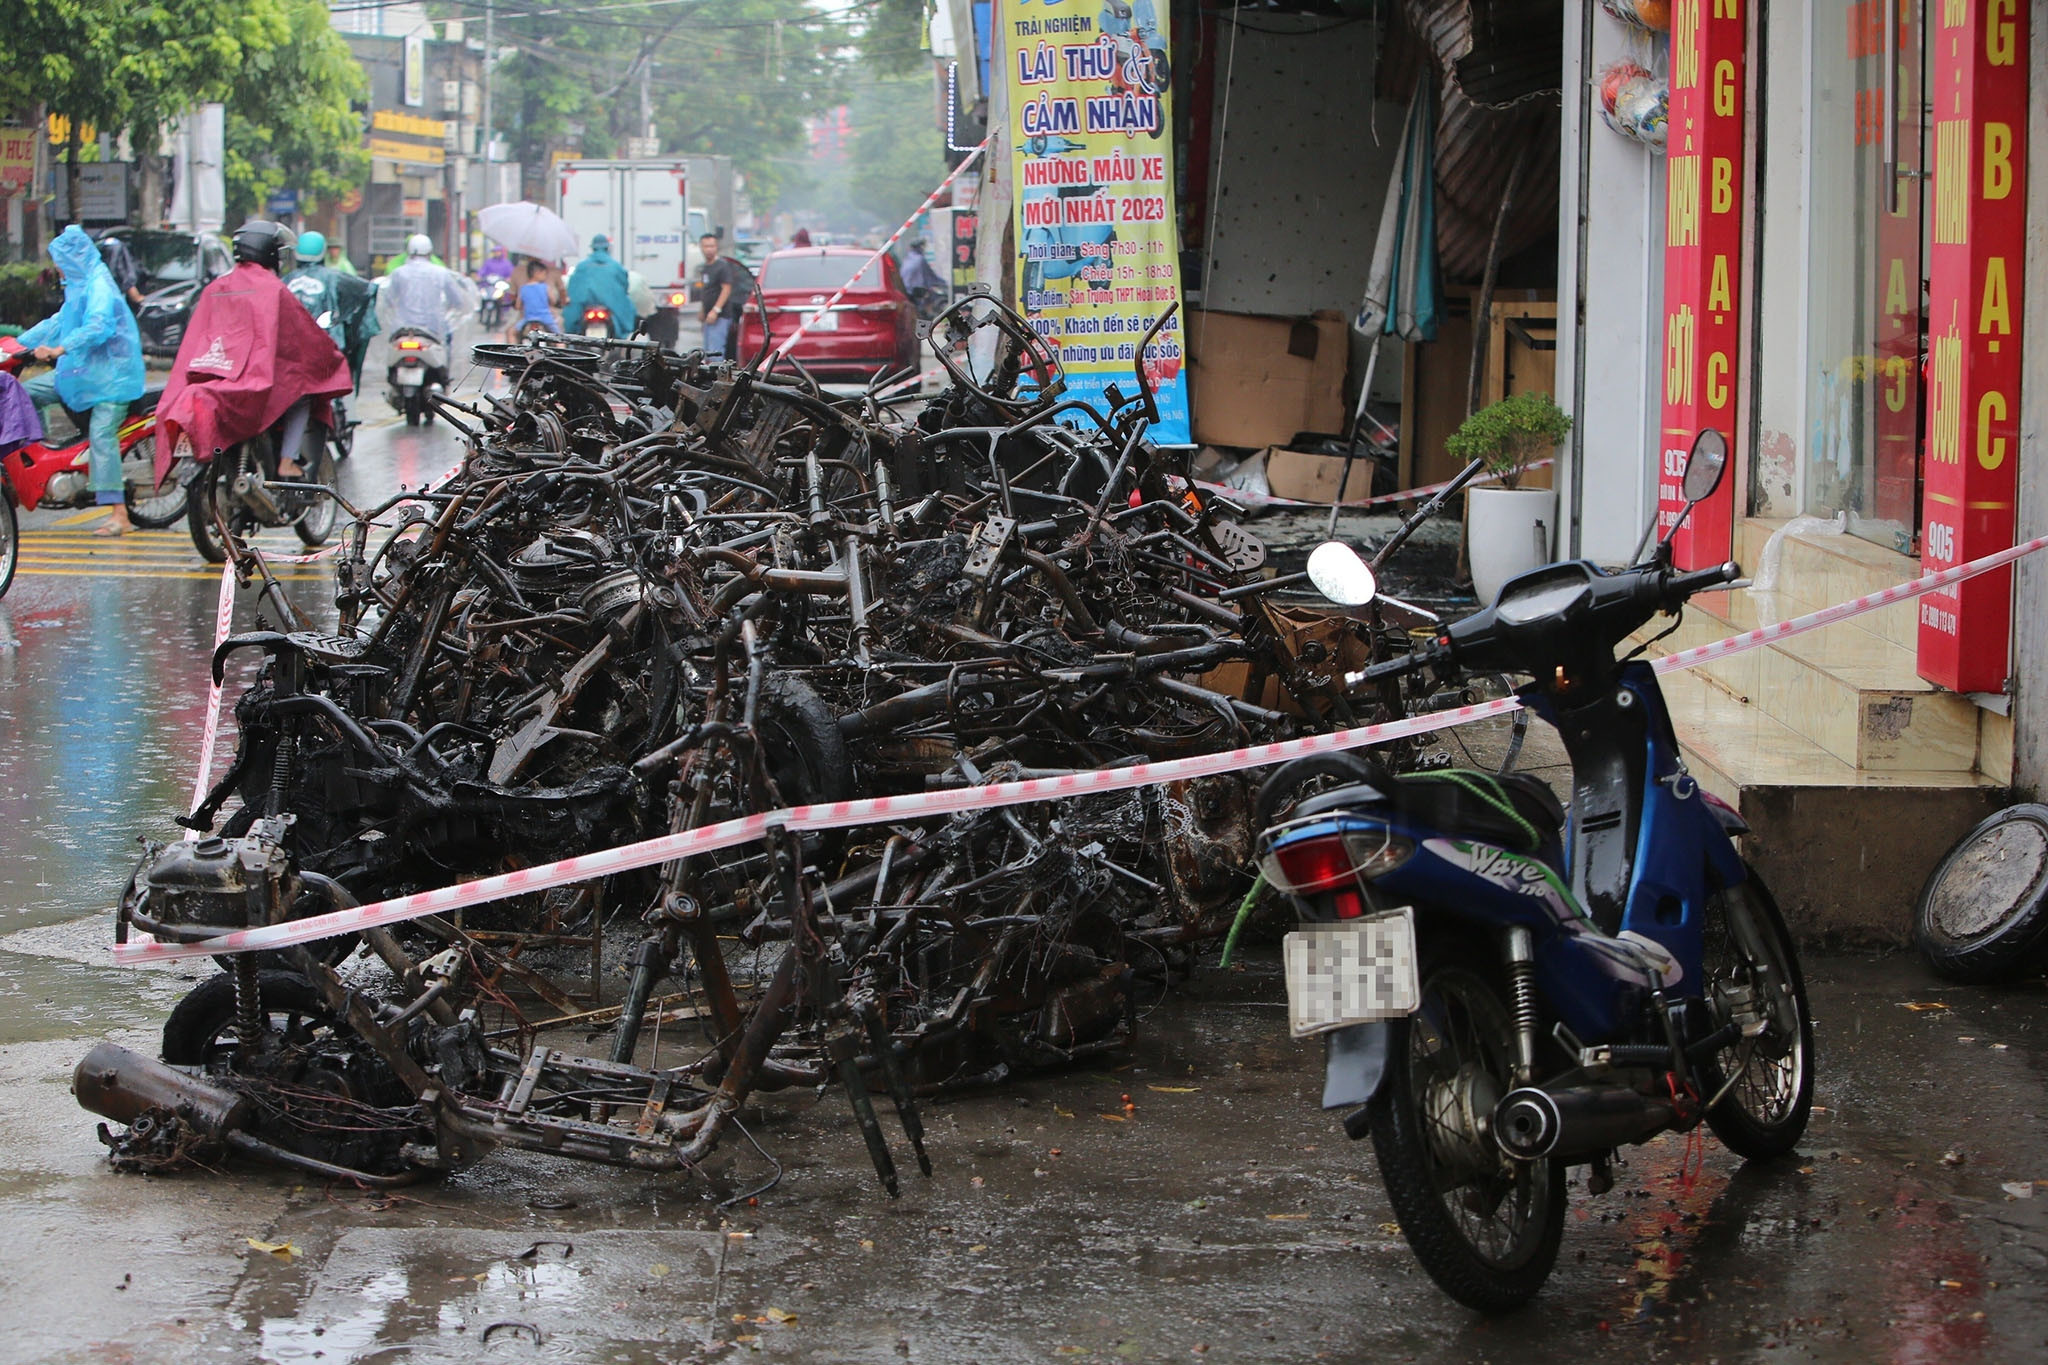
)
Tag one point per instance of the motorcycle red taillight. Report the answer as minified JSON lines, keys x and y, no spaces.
{"x":1304,"y":867}
{"x":599,"y":313}
{"x":1334,"y":859}
{"x":411,"y":344}
{"x":677,"y":300}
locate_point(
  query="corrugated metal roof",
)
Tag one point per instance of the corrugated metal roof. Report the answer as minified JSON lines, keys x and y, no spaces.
{"x":1499,"y":64}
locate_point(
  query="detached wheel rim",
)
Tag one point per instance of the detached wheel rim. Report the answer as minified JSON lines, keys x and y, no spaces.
{"x":1997,"y":872}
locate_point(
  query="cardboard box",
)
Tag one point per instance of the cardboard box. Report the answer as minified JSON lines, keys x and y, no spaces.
{"x":1314,"y":478}
{"x":1259,"y":381}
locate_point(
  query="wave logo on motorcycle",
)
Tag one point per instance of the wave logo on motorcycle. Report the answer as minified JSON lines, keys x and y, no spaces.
{"x":1575,"y":984}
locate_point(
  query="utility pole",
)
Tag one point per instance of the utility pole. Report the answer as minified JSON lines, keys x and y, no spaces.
{"x":647,"y":102}
{"x":490,"y":50}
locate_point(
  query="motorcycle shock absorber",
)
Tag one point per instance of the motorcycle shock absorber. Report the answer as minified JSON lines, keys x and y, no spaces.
{"x":249,"y":1027}
{"x":1522,"y":985}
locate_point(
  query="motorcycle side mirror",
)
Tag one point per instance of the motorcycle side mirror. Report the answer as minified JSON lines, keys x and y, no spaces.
{"x":1705,"y":463}
{"x":1704,"y":466}
{"x":1340,"y":575}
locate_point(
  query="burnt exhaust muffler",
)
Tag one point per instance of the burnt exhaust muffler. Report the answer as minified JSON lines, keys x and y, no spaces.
{"x":125,"y":1086}
{"x":1575,"y":1121}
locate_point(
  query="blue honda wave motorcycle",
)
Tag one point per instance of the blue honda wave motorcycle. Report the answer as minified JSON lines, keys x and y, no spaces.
{"x":1508,"y":991}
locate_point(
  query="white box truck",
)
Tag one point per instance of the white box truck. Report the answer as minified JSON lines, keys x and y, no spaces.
{"x":653,"y":210}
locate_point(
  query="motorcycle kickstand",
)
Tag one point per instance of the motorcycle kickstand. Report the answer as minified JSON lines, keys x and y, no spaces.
{"x":844,"y":1049}
{"x":899,"y":1087}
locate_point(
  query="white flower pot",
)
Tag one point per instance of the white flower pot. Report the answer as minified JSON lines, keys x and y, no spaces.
{"x":1507,"y":532}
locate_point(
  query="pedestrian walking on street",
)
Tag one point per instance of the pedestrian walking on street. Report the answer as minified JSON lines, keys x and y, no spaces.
{"x":723,"y":290}
{"x":98,"y":354}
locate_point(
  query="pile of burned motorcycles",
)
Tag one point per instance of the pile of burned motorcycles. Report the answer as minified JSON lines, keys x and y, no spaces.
{"x":661,"y":593}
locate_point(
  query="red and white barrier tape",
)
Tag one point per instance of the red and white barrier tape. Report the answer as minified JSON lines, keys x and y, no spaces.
{"x":812,"y":314}
{"x":833,"y":815}
{"x":1842,"y":611}
{"x":881,"y":809}
{"x":223,"y":621}
{"x":1251,"y":499}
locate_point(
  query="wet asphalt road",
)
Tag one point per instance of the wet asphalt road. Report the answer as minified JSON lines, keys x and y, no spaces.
{"x":1186,"y":1203}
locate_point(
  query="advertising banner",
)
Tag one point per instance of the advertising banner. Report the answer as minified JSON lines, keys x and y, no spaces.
{"x":1091,"y":141}
{"x":1702,"y":264}
{"x":1976,"y":265}
{"x":17,"y":159}
{"x":966,"y":223}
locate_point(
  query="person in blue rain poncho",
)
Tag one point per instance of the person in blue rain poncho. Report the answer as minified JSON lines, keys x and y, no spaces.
{"x":601,"y":281}
{"x":98,"y":354}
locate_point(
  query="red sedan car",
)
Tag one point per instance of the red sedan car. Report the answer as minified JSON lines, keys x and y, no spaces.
{"x":871,"y":331}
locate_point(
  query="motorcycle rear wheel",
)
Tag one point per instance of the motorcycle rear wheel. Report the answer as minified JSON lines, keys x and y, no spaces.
{"x":208,"y":490}
{"x":150,"y":507}
{"x":316,"y":523}
{"x":1747,"y":950}
{"x":1485,"y":1227}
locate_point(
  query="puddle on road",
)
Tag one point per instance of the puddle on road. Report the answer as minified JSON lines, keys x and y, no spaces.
{"x":103,"y":690}
{"x":466,"y":1293}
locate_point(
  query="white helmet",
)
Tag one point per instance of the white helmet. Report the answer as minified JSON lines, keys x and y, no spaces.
{"x":419,"y":244}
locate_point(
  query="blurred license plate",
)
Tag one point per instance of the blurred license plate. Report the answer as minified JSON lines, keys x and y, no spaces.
{"x":1351,"y":973}
{"x":411,"y":379}
{"x":816,"y":321}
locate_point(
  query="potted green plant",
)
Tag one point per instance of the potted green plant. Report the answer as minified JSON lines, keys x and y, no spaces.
{"x":1508,"y":527}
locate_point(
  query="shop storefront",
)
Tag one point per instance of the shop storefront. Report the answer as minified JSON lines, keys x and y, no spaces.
{"x":1822,"y":250}
{"x":1868,"y":157}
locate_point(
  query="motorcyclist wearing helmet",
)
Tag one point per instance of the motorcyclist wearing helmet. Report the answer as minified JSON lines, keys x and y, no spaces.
{"x":211,"y":354}
{"x":262,"y":242}
{"x":98,"y":354}
{"x":421,"y":294}
{"x":348,"y":303}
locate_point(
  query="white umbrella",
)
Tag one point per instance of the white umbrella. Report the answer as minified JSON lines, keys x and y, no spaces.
{"x":529,"y":230}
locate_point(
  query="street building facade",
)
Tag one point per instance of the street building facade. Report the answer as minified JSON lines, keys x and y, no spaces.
{"x":1828,"y":259}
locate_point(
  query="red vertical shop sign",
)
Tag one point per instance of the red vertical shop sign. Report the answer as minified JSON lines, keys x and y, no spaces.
{"x":1702,"y":260}
{"x":1973,"y":381}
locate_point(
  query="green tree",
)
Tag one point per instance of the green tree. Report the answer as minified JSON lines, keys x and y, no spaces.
{"x":290,"y":120}
{"x":61,"y":54}
{"x":897,"y":35}
{"x":736,"y":77}
{"x":118,"y":66}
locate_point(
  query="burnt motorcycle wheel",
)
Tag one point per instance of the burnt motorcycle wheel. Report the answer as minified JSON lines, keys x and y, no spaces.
{"x":150,"y":507}
{"x":1485,"y":1227}
{"x":204,"y":1032}
{"x":1751,"y":972}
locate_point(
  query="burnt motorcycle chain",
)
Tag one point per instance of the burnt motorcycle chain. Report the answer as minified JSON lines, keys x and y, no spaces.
{"x":662,"y":592}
